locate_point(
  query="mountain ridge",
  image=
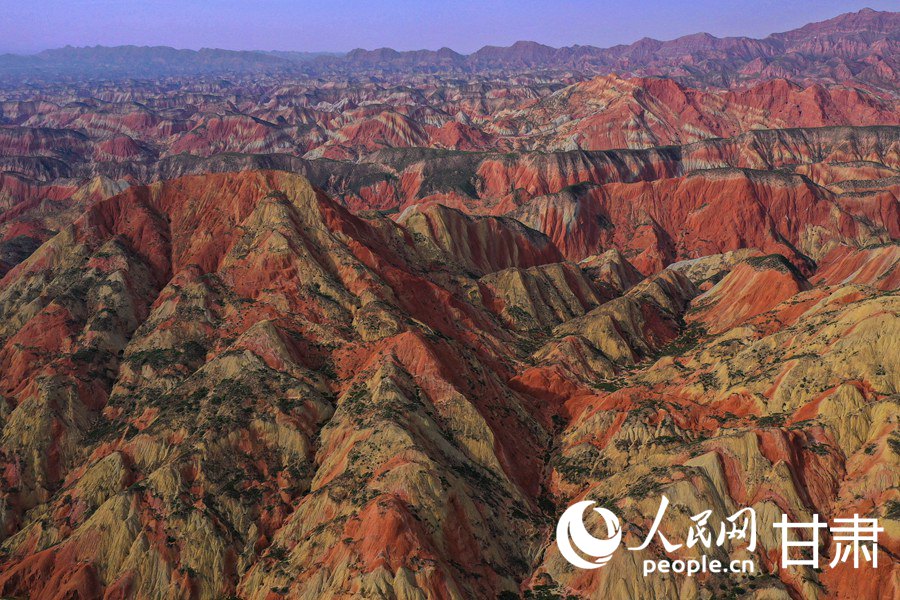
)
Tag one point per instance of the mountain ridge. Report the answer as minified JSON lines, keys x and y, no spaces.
{"x":229,"y":385}
{"x":854,"y":38}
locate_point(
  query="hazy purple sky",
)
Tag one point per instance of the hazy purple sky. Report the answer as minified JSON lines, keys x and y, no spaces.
{"x":464,"y":25}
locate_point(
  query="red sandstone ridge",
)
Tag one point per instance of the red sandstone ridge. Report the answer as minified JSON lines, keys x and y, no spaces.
{"x":609,"y":112}
{"x":611,"y":270}
{"x":232,"y":133}
{"x":483,"y":244}
{"x":657,"y":223}
{"x":876,"y":266}
{"x":753,"y":287}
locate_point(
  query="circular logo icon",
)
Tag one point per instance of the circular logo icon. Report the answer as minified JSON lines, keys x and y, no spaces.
{"x":571,"y":534}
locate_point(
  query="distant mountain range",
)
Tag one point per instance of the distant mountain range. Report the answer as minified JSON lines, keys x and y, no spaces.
{"x":860,"y":48}
{"x":138,"y":62}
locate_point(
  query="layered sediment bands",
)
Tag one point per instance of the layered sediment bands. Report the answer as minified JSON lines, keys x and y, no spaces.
{"x":859,"y":165}
{"x":39,"y":211}
{"x":876,"y":266}
{"x":609,"y":112}
{"x":42,"y":141}
{"x":413,"y":174}
{"x":230,"y":385}
{"x":542,"y":297}
{"x":603,"y":113}
{"x":710,"y":212}
{"x":707,"y":271}
{"x":773,"y":148}
{"x":754,"y":286}
{"x":624,"y":330}
{"x":481,"y":244}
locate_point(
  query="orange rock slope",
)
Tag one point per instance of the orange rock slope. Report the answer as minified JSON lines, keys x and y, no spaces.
{"x":231,"y":386}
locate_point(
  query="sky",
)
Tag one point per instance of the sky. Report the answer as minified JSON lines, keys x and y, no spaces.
{"x":28,"y":26}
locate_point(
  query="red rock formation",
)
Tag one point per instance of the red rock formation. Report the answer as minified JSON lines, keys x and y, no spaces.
{"x":878,"y":267}
{"x":609,"y":112}
{"x":656,"y":223}
{"x":229,"y":384}
{"x":753,"y":287}
{"x":483,"y":244}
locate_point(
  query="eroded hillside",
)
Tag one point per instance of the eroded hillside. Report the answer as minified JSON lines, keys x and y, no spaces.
{"x":231,"y":385}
